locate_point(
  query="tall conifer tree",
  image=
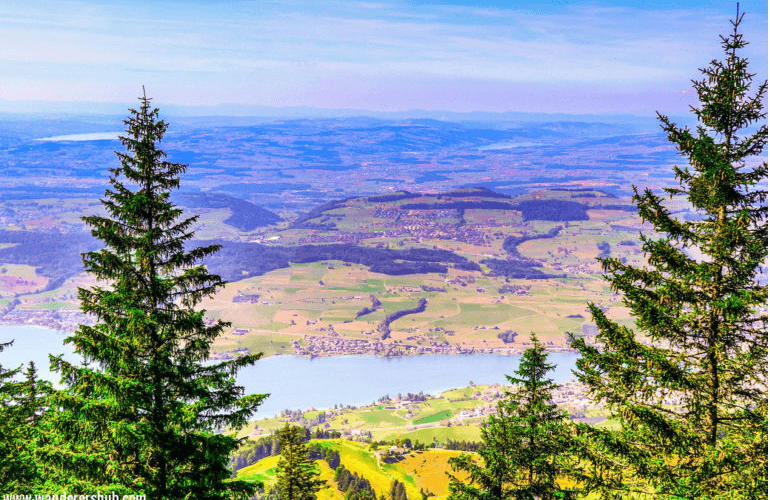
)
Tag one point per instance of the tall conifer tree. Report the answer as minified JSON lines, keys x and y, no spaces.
{"x":692,"y":398}
{"x":8,"y":431}
{"x":17,"y":468}
{"x":26,"y":426}
{"x":143,"y":415}
{"x":22,"y":430}
{"x":525,"y":444}
{"x":297,"y":474}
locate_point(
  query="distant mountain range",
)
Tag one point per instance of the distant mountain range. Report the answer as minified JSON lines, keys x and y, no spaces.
{"x":256,"y":113}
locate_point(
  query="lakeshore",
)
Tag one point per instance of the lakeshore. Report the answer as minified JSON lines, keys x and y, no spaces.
{"x":296,"y":382}
{"x":309,"y":345}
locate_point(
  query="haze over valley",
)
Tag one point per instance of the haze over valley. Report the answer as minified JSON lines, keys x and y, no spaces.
{"x":333,"y":230}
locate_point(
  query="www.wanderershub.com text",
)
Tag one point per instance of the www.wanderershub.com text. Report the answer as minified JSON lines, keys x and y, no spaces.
{"x":70,"y":496}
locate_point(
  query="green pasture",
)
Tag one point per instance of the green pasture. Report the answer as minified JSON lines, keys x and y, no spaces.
{"x":436,"y":406}
{"x":211,"y":225}
{"x":51,"y":305}
{"x":463,"y":393}
{"x":394,"y":305}
{"x":470,"y":315}
{"x":381,"y":418}
{"x":266,"y":344}
{"x":358,"y":459}
{"x":264,"y":470}
{"x":443,"y":415}
{"x":441,"y":434}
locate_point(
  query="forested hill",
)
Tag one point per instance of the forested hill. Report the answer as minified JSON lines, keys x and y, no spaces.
{"x":245,"y":216}
{"x":236,"y":261}
{"x":56,"y":256}
{"x":552,"y":208}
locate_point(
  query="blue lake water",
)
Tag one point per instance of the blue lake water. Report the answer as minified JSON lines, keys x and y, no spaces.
{"x":299,"y":383}
{"x":94,"y":136}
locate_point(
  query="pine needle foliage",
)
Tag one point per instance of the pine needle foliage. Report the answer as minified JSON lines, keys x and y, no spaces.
{"x":142,"y":413}
{"x":9,"y":472}
{"x":297,"y":474}
{"x":692,"y":398}
{"x":526,"y":443}
{"x":21,"y":406}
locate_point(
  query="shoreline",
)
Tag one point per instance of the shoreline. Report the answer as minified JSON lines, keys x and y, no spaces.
{"x":67,"y":321}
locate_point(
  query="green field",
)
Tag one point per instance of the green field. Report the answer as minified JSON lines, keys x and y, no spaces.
{"x":434,"y":418}
{"x":439,"y":434}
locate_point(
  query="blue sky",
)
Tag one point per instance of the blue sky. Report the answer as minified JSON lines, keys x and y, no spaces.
{"x":550,"y":56}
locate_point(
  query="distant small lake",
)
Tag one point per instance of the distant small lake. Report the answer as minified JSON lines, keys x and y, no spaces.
{"x":95,"y":136}
{"x":299,"y":383}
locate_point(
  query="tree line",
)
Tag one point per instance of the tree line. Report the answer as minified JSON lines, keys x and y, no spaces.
{"x":384,"y":326}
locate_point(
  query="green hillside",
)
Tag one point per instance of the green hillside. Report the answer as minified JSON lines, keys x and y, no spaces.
{"x":415,"y":469}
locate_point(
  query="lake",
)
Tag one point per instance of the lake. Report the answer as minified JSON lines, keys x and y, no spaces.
{"x":95,"y":136}
{"x":300,"y":383}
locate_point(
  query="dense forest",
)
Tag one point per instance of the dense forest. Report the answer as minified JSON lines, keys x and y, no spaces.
{"x":244,"y":216}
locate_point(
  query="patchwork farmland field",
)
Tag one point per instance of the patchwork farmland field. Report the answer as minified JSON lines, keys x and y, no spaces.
{"x":347,"y":279}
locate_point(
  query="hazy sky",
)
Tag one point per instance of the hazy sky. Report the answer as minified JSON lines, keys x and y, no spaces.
{"x":552,"y":56}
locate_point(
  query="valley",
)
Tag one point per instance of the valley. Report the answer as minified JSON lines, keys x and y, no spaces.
{"x":469,"y":270}
{"x":353,"y":236}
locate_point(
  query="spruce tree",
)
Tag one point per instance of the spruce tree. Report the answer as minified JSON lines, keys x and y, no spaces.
{"x":525,"y":443}
{"x":691,"y":391}
{"x":143,"y":413}
{"x":297,"y":474}
{"x":397,"y":490}
{"x":8,"y":466}
{"x":21,"y":404}
{"x":32,"y":427}
{"x":24,"y":430}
